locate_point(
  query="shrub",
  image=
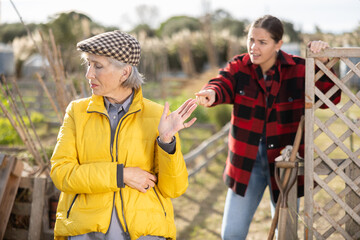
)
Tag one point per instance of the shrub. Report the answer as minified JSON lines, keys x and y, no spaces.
{"x":220,"y":115}
{"x":9,"y":136}
{"x":37,"y":117}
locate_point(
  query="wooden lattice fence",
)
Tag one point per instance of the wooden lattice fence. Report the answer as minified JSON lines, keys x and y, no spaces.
{"x":332,"y":199}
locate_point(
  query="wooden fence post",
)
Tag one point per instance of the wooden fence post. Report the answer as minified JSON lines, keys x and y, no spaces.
{"x":352,"y":199}
{"x":37,"y":207}
{"x":309,"y":149}
{"x":291,"y":225}
{"x":10,"y":175}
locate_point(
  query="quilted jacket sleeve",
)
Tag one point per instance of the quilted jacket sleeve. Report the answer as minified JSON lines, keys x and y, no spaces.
{"x":172,"y":172}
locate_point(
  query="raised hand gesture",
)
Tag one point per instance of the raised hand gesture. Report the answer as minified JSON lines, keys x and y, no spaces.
{"x":171,"y":123}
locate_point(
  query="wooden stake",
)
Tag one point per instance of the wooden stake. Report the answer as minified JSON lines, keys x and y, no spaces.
{"x":63,"y":98}
{"x":49,"y":97}
{"x":19,"y":124}
{"x":30,"y":121}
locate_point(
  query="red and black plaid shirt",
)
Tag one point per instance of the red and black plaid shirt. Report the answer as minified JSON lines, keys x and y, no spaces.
{"x":242,"y":84}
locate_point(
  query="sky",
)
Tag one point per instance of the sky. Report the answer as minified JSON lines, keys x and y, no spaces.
{"x":334,"y":16}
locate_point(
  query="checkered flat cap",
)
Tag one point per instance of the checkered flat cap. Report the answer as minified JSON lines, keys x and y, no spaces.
{"x":118,"y":45}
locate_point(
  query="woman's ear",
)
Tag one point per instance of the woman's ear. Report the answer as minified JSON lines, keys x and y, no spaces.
{"x":278,"y":45}
{"x":125,"y":73}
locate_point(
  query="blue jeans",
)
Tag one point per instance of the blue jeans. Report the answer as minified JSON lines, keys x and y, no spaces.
{"x":239,"y":211}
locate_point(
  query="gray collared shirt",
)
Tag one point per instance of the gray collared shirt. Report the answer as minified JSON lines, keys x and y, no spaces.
{"x":117,"y":111}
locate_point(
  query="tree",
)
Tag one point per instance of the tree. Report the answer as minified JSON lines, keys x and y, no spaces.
{"x":221,"y":14}
{"x":177,"y":24}
{"x":223,"y":20}
{"x":143,"y":28}
{"x":291,"y":32}
{"x":318,"y":29}
{"x":9,"y":31}
{"x":68,"y":29}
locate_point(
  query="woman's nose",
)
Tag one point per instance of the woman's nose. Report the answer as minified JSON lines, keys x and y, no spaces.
{"x":252,"y":46}
{"x":90,"y":73}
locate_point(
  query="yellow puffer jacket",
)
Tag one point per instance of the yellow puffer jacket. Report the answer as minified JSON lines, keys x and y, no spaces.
{"x":84,"y":168}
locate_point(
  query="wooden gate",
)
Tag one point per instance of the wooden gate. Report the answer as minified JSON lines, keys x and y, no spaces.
{"x":332,"y":202}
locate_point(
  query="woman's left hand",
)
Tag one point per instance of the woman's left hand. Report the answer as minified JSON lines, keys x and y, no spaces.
{"x":170,"y":124}
{"x":139,"y":179}
{"x":318,"y":46}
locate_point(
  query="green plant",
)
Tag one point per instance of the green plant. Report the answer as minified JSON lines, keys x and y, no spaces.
{"x":37,"y":117}
{"x":220,"y":115}
{"x":8,"y":135}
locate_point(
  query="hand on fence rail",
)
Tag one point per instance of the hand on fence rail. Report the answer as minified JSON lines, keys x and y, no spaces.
{"x":318,"y":46}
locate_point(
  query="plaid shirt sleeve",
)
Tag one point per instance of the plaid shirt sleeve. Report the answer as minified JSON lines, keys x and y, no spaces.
{"x":225,"y":82}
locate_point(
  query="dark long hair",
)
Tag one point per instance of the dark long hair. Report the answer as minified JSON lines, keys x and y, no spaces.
{"x":271,"y":24}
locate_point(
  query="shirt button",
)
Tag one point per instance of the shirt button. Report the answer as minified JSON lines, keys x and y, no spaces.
{"x":290,"y":99}
{"x":114,"y":117}
{"x":270,"y":145}
{"x":241,"y":92}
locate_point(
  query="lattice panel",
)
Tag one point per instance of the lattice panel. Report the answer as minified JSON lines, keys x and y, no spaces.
{"x":332,"y":138}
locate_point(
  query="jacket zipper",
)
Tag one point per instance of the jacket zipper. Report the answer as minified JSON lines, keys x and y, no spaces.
{"x":71,"y":205}
{"x":160,"y":201}
{"x":117,"y":133}
{"x":112,"y":159}
{"x":121,"y":198}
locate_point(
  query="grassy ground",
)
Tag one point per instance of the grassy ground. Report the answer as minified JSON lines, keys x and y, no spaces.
{"x":198,"y":213}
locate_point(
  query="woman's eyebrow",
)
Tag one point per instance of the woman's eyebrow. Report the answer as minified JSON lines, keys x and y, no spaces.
{"x":92,"y":60}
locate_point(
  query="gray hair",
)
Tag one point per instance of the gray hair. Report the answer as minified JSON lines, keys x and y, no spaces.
{"x":135,"y":79}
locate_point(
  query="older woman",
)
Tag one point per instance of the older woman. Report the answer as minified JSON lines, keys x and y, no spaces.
{"x":118,"y":159}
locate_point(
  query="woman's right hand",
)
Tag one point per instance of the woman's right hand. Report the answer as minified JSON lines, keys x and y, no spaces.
{"x":139,"y":179}
{"x":318,"y":46}
{"x":205,"y":97}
